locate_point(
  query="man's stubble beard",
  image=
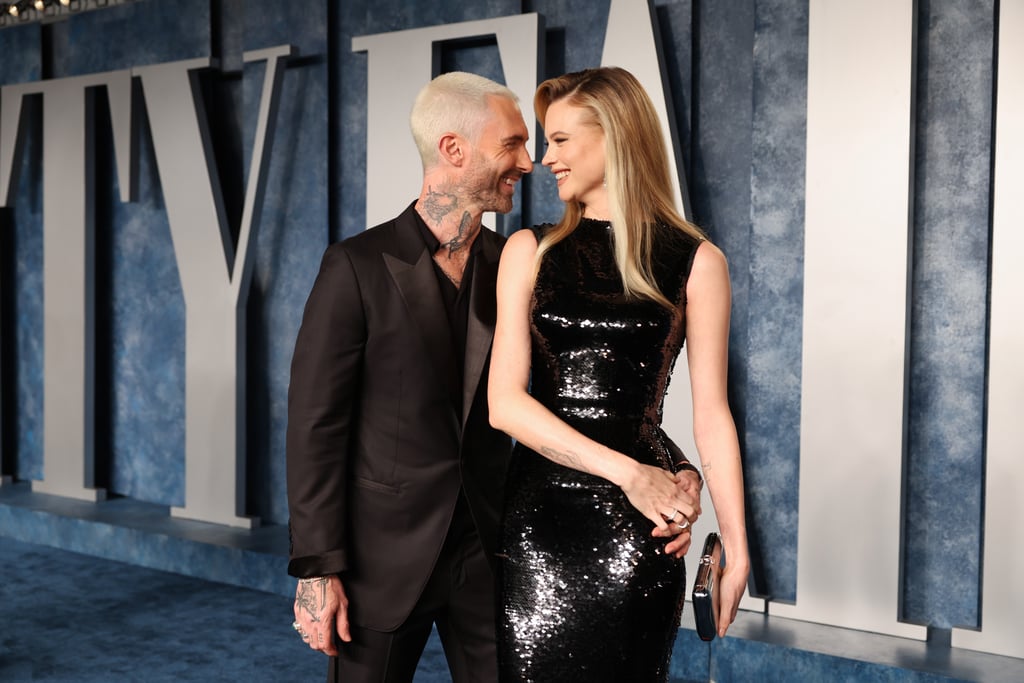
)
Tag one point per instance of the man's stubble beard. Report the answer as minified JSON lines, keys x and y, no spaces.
{"x":485,"y":191}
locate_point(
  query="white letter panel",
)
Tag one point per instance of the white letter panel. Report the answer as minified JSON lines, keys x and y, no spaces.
{"x":859,"y":161}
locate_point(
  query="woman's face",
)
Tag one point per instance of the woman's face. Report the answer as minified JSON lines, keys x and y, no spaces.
{"x":575,"y":154}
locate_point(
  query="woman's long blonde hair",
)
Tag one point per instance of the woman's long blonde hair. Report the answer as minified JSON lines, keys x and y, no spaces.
{"x":639,"y":185}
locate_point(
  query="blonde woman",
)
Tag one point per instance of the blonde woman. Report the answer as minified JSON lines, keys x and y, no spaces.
{"x":592,"y":313}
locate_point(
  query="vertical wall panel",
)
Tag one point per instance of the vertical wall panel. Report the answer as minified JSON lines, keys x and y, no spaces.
{"x":947,"y":331}
{"x":24,"y":340}
{"x":775,"y":277}
{"x":721,"y":158}
{"x":21,"y":282}
{"x":1002,"y":591}
{"x":855,"y":309}
{"x":720,"y":182}
{"x":292,"y":233}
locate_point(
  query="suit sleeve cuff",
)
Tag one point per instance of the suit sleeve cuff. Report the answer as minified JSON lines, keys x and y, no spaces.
{"x":324,"y":564}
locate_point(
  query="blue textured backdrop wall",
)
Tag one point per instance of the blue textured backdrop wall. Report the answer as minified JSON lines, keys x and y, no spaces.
{"x":948,"y":311}
{"x":140,"y":305}
{"x":737,"y":74}
{"x":22,"y":284}
{"x":775,"y":288}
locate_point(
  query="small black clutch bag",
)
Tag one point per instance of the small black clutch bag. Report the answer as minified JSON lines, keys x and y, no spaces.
{"x":705,"y":588}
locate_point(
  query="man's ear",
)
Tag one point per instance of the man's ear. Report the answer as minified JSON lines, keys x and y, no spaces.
{"x":450,"y":148}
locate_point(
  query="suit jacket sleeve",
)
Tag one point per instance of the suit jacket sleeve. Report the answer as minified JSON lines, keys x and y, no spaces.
{"x":322,"y":411}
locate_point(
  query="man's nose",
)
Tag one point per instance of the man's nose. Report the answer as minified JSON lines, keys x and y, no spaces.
{"x":525,"y":164}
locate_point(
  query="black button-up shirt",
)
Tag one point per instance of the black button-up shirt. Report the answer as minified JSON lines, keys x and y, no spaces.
{"x":456,"y":303}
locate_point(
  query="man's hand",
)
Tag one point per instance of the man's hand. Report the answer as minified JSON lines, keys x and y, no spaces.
{"x":321,"y":608}
{"x":680,"y":530}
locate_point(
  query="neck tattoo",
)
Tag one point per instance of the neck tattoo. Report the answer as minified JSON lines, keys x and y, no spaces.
{"x":463,"y":237}
{"x":437,"y":204}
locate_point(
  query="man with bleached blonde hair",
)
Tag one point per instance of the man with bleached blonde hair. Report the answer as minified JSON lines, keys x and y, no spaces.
{"x":395,"y":476}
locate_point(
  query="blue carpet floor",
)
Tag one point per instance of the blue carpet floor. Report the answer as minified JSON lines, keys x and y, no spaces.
{"x":65,"y":616}
{"x":71,"y":617}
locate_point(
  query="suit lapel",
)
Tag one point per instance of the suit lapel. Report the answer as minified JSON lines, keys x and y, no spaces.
{"x":413,"y":274}
{"x":480,"y":325}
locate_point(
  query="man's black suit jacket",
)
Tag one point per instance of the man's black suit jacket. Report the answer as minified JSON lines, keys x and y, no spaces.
{"x":376,"y":453}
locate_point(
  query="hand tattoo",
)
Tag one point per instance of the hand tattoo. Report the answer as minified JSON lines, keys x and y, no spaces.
{"x":311,"y":592}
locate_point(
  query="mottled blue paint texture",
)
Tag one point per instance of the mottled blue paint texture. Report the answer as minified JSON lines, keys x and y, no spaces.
{"x":22,"y":288}
{"x":290,"y":238}
{"x":19,"y":46}
{"x":774,"y":277}
{"x":675,"y":29}
{"x":135,"y":34}
{"x":736,"y":75}
{"x":735,"y":660}
{"x":720,"y":177}
{"x":189,"y":548}
{"x":141,"y":314}
{"x":948,"y":313}
{"x":27,"y":299}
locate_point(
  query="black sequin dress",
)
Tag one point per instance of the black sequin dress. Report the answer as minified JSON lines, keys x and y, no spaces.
{"x":586,"y":593}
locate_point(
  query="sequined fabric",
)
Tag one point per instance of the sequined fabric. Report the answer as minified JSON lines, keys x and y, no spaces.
{"x":586,"y":593}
